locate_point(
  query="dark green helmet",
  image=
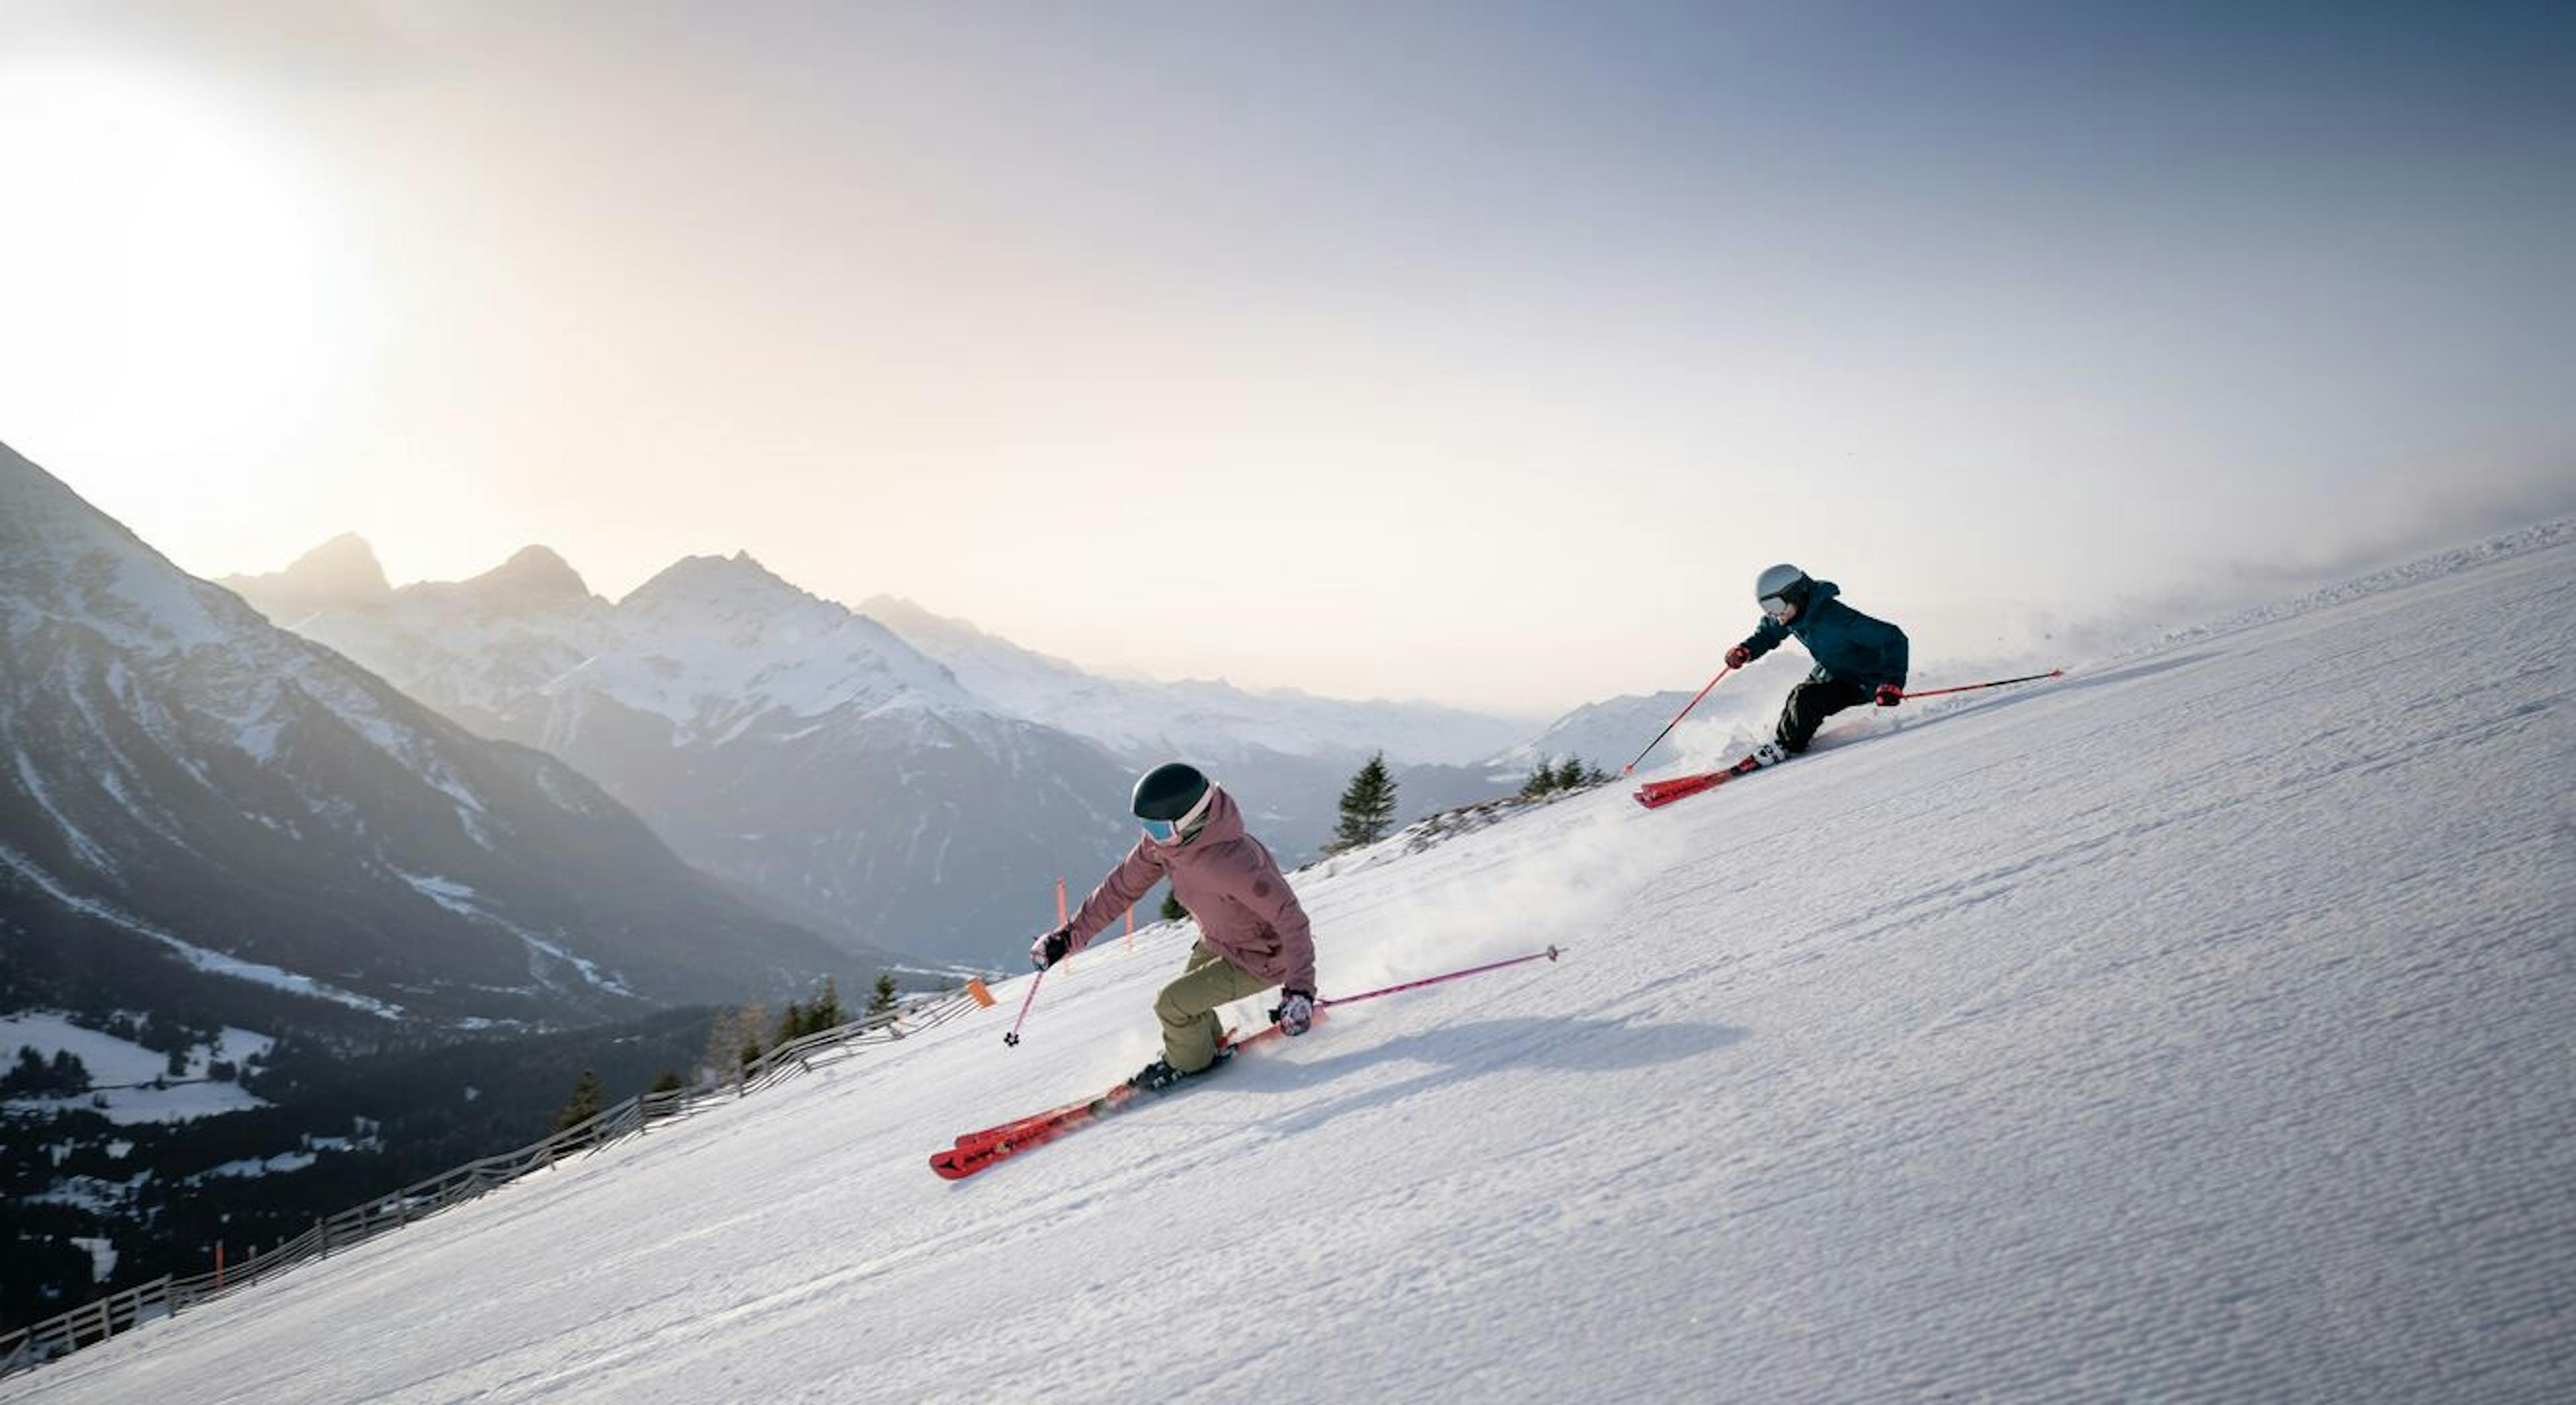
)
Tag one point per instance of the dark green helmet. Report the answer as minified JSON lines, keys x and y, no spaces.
{"x":1169,"y":791}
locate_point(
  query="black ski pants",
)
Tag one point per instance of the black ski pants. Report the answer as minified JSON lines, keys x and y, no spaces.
{"x":1811,"y":702}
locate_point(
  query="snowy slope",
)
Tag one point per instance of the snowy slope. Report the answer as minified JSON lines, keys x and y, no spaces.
{"x":2198,"y":1028}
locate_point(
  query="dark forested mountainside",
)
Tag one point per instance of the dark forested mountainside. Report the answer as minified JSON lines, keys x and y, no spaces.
{"x":341,"y":1131}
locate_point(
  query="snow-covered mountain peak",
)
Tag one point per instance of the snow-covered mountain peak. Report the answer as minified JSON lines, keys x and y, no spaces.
{"x":535,"y":579}
{"x":344,"y":566}
{"x":713,"y":642}
{"x":64,"y":561}
{"x":340,"y":574}
{"x":722,"y":589}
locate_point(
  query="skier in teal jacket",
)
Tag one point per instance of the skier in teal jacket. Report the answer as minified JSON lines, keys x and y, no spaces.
{"x":1858,"y":659}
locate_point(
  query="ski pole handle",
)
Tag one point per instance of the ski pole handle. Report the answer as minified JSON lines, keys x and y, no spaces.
{"x":1677,"y":720}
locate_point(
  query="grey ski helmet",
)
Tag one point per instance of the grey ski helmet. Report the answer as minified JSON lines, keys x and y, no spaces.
{"x":1785,"y":581}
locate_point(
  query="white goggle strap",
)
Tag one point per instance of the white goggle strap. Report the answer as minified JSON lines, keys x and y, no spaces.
{"x":1197,"y":814}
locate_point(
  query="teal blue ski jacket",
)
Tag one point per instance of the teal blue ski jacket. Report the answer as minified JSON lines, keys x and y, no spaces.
{"x":1847,"y":645}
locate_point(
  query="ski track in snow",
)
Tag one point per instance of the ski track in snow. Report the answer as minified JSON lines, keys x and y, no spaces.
{"x":2199,"y":1029}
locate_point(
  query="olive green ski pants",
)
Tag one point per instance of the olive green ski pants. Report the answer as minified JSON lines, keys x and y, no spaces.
{"x":1188,"y":1007}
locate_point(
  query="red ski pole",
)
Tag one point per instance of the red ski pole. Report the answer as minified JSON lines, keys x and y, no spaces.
{"x":1677,"y":721}
{"x":1013,"y":1038}
{"x":1972,"y":687}
{"x":1549,"y":954}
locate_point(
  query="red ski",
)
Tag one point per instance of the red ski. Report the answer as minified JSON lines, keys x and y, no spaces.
{"x":1019,"y":1124}
{"x":977,"y":1150}
{"x":1656,"y":794}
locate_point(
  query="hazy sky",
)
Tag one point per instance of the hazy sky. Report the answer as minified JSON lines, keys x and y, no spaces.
{"x":1475,"y":351}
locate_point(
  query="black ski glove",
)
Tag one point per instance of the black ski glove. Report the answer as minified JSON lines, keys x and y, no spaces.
{"x":1889,"y":695}
{"x":1051,"y":948}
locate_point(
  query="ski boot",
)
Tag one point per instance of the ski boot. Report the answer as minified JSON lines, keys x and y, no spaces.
{"x":1160,"y":1077}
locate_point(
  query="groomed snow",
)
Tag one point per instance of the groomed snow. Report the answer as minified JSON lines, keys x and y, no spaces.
{"x":2199,"y":1028}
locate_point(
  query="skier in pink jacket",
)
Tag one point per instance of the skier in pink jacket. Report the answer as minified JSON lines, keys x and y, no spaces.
{"x":1252,"y":933}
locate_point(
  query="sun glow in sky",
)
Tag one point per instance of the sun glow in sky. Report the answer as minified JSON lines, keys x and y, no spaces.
{"x":169,"y":279}
{"x":1479,"y":352}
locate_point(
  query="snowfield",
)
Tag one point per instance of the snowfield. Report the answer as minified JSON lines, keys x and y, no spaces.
{"x":2198,"y":1028}
{"x":123,"y":1074}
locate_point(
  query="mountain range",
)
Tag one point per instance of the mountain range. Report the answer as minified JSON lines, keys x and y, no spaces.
{"x":204,"y":815}
{"x":888,"y":775}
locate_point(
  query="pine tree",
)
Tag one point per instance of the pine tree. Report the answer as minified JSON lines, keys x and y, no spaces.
{"x":1541,"y":780}
{"x":825,"y":1012}
{"x":790,"y":1025}
{"x":1570,"y":775}
{"x":1368,"y":806}
{"x":586,"y":1101}
{"x":882,"y":1003}
{"x":29,"y":1076}
{"x":669,"y":1082}
{"x":1172,"y":910}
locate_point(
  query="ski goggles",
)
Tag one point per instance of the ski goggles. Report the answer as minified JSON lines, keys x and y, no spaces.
{"x":1776,"y":607}
{"x":1172,"y":831}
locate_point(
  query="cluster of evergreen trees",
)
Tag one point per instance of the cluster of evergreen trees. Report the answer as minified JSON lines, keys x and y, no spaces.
{"x":33,"y":1077}
{"x":735,"y":1040}
{"x":801,"y":1020}
{"x":1550,"y":777}
{"x":741,"y":1036}
{"x":1368,"y":804}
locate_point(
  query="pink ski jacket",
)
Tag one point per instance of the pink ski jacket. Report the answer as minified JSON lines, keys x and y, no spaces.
{"x":1229,"y":883}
